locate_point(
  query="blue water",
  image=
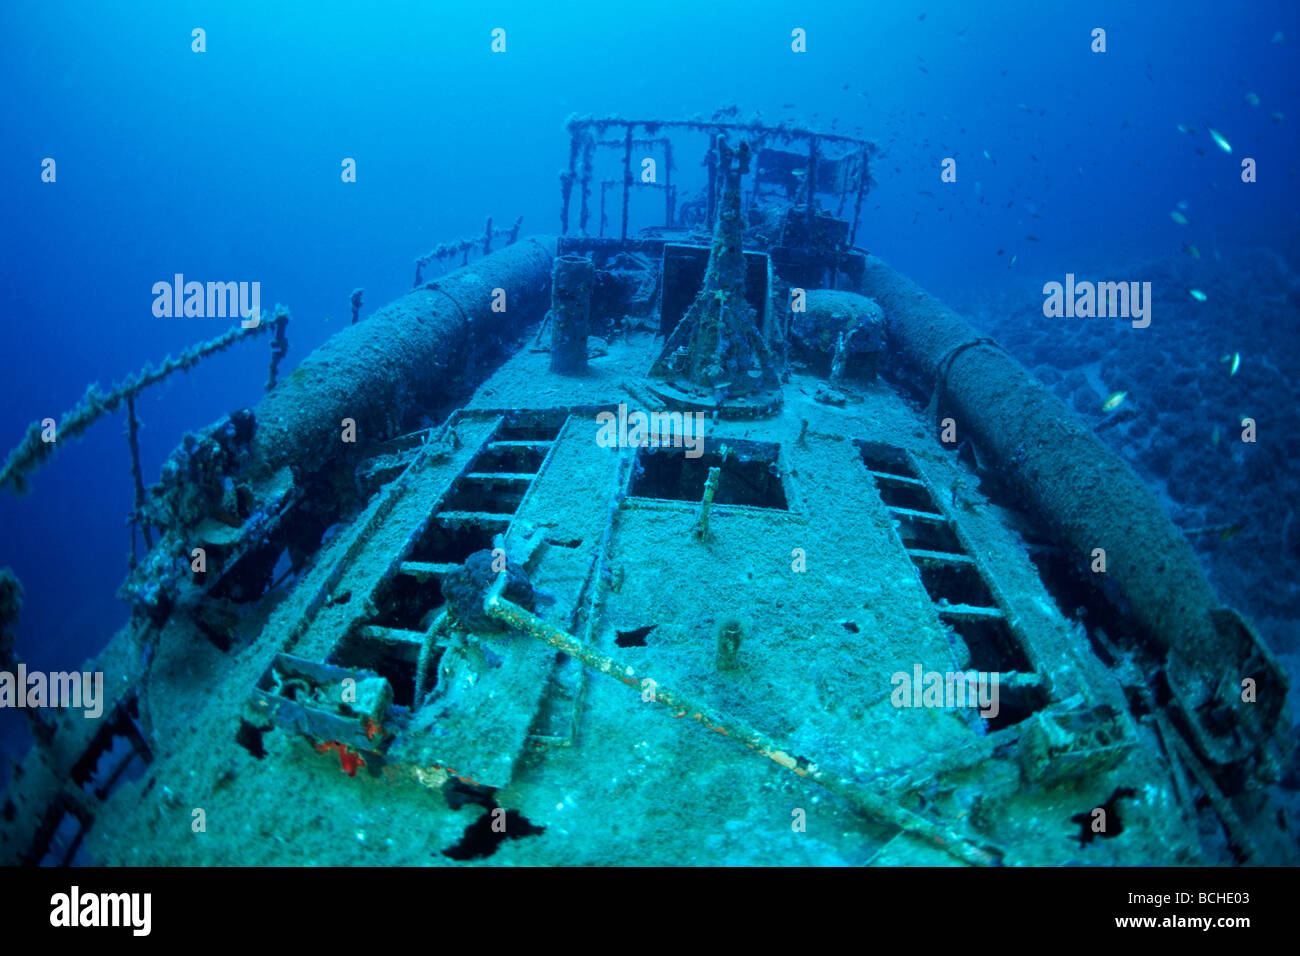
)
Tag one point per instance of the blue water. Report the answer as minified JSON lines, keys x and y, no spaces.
{"x":225,"y":165}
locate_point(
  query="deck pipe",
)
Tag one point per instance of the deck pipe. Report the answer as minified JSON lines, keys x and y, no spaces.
{"x":1089,"y":497}
{"x":573,"y":279}
{"x":402,"y":357}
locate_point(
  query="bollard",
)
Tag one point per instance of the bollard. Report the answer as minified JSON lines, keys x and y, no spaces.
{"x":571,"y":283}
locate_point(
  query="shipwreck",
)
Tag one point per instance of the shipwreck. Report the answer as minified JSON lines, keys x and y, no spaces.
{"x":412,"y":608}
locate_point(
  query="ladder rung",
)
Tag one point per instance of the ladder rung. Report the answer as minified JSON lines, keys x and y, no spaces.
{"x":969,"y":612}
{"x":897,"y":479}
{"x":519,"y":444}
{"x":392,"y":635}
{"x":425,"y":569}
{"x":908,"y":513}
{"x":941,"y":557}
{"x":486,"y":519}
{"x":514,"y":477}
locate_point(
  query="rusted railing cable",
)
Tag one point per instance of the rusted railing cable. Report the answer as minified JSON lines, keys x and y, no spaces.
{"x":33,"y":450}
{"x":481,"y":243}
{"x":871,"y":805}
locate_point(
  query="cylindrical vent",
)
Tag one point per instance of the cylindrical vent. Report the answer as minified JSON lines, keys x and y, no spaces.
{"x":571,"y":283}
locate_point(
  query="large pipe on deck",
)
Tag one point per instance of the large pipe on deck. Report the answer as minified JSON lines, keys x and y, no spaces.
{"x":401,"y":357}
{"x":1092,"y":499}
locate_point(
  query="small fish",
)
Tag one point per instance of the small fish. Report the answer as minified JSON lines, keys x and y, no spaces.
{"x":987,"y":156}
{"x":1236,"y":364}
{"x":1031,"y":238}
{"x":999,"y":252}
{"x":1178,"y":217}
{"x":1196,"y":294}
{"x":923,"y":69}
{"x":1223,"y":144}
{"x":328,"y":317}
{"x":1183,"y":129}
{"x":1192,"y":251}
{"x":1276,"y":117}
{"x":1181,"y":204}
{"x":1013,"y":261}
{"x":1113,"y":401}
{"x":1252,"y":99}
{"x":1023,"y":108}
{"x":926,"y":192}
{"x":1230,"y":532}
{"x":1214,"y":439}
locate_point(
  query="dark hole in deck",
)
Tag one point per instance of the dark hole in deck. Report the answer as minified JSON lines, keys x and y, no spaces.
{"x":481,"y":840}
{"x":63,"y":839}
{"x":897,"y":482}
{"x":406,"y":601}
{"x":635,"y":637}
{"x":522,"y":459}
{"x":955,"y":583}
{"x":993,"y":649}
{"x":250,"y":738}
{"x":922,"y":535}
{"x":117,"y":763}
{"x":886,"y":459}
{"x":495,"y":496}
{"x":112,"y":752}
{"x":991,"y":644}
{"x":528,"y":431}
{"x":750,"y":474}
{"x":1114,"y":826}
{"x":395,"y":662}
{"x":440,"y":545}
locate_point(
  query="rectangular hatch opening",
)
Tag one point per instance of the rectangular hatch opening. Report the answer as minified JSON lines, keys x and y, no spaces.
{"x":750,"y":474}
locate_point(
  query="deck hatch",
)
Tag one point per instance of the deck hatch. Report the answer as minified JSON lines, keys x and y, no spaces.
{"x":751,"y":474}
{"x":952,"y":578}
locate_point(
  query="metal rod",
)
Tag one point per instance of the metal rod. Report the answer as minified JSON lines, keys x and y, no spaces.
{"x":627,"y":176}
{"x":811,"y":180}
{"x":863,"y":177}
{"x":588,"y":158}
{"x":871,"y":805}
{"x":137,"y":478}
{"x":668,"y":183}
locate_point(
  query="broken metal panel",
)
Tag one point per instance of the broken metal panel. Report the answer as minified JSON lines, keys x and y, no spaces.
{"x":325,"y":704}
